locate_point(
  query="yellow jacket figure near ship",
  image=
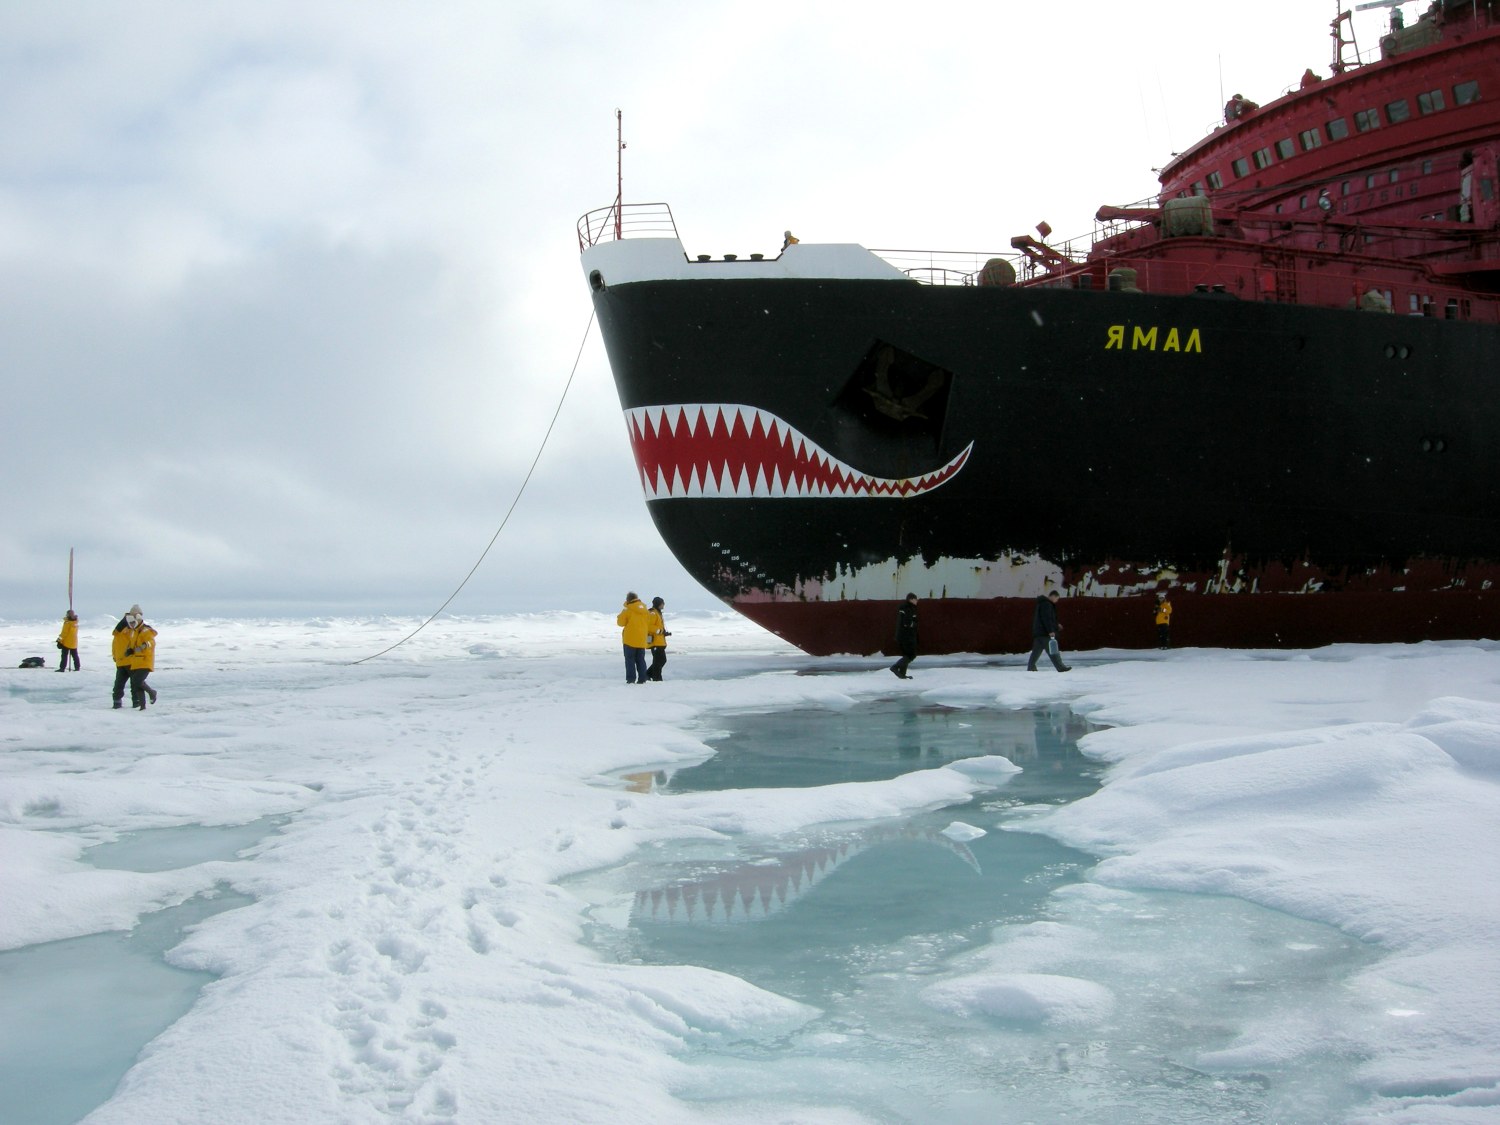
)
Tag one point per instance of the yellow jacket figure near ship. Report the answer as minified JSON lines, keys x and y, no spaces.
{"x":635,"y":627}
{"x":656,"y":640}
{"x":118,"y":643}
{"x":140,"y":650}
{"x":1163,"y":621}
{"x":67,"y":641}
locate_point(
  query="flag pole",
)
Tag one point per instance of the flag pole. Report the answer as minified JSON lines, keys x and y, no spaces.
{"x":70,"y":579}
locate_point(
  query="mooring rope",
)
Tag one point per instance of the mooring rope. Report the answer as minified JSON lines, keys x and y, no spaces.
{"x":506,"y":519}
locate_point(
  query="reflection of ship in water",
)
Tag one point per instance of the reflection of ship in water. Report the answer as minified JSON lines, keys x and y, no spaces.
{"x":872,"y":741}
{"x":758,"y":889}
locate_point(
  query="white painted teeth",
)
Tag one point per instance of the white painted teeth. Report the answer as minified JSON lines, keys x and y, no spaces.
{"x":730,"y":451}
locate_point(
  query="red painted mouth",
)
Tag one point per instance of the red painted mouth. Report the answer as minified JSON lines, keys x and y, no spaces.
{"x":726,"y":451}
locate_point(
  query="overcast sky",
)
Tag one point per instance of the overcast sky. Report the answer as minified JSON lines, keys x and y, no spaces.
{"x":289,"y":291}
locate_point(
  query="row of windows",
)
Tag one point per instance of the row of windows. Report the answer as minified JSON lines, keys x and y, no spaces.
{"x":1364,"y":120}
{"x":1372,"y":181}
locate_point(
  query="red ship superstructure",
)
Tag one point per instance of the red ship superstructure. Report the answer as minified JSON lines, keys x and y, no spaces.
{"x":1376,"y":187}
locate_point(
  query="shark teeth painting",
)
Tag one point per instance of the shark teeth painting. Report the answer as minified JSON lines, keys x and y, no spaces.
{"x":728,"y":451}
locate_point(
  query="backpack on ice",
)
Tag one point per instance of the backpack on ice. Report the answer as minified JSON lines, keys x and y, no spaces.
{"x":32,"y":662}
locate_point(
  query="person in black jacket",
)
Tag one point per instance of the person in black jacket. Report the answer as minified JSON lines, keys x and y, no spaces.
{"x":1044,"y":629}
{"x":906,"y":636}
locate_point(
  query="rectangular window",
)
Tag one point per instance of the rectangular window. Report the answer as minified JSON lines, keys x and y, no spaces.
{"x":1262,"y":157}
{"x":1397,"y":111}
{"x":1344,"y":188}
{"x":1310,"y":139}
{"x":1338,"y":129}
{"x":1215,"y":181}
{"x":1430,"y":102}
{"x":1366,"y":119}
{"x":1370,"y":181}
{"x":1302,"y":203}
{"x":1198,"y":188}
{"x":1395,"y":174}
{"x":1284,"y":149}
{"x":1240,"y":167}
{"x":1465,"y":92}
{"x":1426,"y":167}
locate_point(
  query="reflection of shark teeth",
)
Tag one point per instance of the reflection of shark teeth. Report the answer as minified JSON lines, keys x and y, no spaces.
{"x":755,"y":891}
{"x":724,"y":451}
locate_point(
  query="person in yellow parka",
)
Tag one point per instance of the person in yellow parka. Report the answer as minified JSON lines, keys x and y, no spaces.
{"x":67,"y":640}
{"x":1163,"y":620}
{"x":141,"y":650}
{"x":118,"y":643}
{"x":635,"y":626}
{"x":656,"y":639}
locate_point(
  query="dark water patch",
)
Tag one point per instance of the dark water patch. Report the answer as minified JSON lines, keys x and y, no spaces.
{"x":75,"y":1014}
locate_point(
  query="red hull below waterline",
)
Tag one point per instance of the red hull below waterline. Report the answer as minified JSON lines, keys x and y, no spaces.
{"x":1003,"y":625}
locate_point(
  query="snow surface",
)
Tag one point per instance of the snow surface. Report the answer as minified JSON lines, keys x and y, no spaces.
{"x":410,"y":953}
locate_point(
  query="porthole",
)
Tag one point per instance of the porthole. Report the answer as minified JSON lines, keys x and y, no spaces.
{"x":1433,"y":445}
{"x":596,"y":281}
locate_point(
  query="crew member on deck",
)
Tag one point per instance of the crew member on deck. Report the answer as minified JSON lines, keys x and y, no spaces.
{"x":1239,"y":106}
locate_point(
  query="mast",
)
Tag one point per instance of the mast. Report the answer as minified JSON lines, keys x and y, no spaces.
{"x":619,"y":172}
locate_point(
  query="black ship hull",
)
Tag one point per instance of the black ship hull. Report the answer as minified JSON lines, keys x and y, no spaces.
{"x":814,"y":448}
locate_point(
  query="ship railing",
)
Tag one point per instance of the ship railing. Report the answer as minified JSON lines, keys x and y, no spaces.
{"x":940,"y":267}
{"x":963,"y":267}
{"x":1272,"y":275}
{"x":629,"y":220}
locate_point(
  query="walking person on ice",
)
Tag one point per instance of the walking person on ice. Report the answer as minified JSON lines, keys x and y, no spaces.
{"x":119,"y":641}
{"x":906,"y":636}
{"x":140,"y":648}
{"x":1044,"y":629}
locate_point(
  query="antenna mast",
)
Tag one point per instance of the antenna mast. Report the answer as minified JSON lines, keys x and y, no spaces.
{"x":619,"y":173}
